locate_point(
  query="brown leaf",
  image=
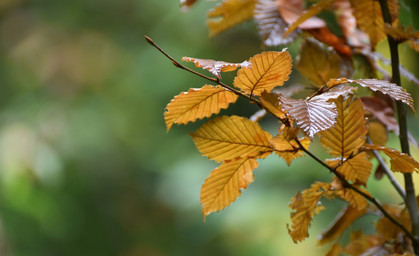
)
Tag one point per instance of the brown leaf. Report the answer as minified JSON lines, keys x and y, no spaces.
{"x":394,"y":91}
{"x":356,"y":169}
{"x":305,"y":206}
{"x":377,"y":133}
{"x":326,"y":36}
{"x":285,"y":146}
{"x":229,"y":137}
{"x":381,"y":110}
{"x":216,"y":67}
{"x":387,"y":229}
{"x":186,"y":4}
{"x":347,"y":22}
{"x":335,"y":250}
{"x":271,"y":26}
{"x":270,"y":101}
{"x":343,"y":220}
{"x":400,"y":162}
{"x":353,"y":198}
{"x":225,"y":184}
{"x":360,"y":243}
{"x":267,"y":70}
{"x":400,"y":34}
{"x":196,"y":104}
{"x":319,"y":64}
{"x":348,"y":134}
{"x":291,"y":10}
{"x":306,"y":15}
{"x":229,"y":13}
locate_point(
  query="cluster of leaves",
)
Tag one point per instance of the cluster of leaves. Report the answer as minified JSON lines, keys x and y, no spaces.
{"x":341,"y":120}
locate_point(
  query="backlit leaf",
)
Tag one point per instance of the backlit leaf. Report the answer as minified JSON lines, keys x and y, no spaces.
{"x":312,"y":11}
{"x":270,"y":102}
{"x":319,"y":64}
{"x":315,"y":114}
{"x":393,"y":90}
{"x":343,"y":220}
{"x":348,"y":134}
{"x":229,"y":13}
{"x":288,"y":156}
{"x":286,"y":147}
{"x":225,"y":183}
{"x":271,"y":25}
{"x":356,"y":169}
{"x":353,"y":198}
{"x":196,"y":104}
{"x":216,"y":67}
{"x":229,"y":137}
{"x":267,"y":70}
{"x":400,"y":162}
{"x":305,"y":206}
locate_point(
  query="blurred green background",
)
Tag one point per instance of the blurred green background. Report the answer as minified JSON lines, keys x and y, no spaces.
{"x":86,"y":165}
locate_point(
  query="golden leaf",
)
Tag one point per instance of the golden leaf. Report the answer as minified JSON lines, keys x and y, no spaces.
{"x":400,"y":162}
{"x":369,"y":18}
{"x":319,"y":64}
{"x":356,"y":169}
{"x":289,"y":156}
{"x":377,"y":133}
{"x":348,"y":134}
{"x":270,"y":102}
{"x":196,"y":104}
{"x":344,"y":219}
{"x":216,"y":67}
{"x":305,"y":206}
{"x":286,"y":147}
{"x":353,"y":198}
{"x":229,"y":137}
{"x":225,"y":183}
{"x":267,"y":70}
{"x":399,"y":33}
{"x":312,"y":11}
{"x":387,"y":229}
{"x":270,"y":24}
{"x":335,"y":250}
{"x":229,"y":13}
{"x":360,"y":243}
{"x":392,"y":90}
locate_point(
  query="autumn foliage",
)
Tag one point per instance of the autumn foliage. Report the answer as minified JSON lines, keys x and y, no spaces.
{"x":352,"y":128}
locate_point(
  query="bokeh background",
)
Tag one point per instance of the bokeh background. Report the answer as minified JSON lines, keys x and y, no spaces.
{"x":86,"y":165}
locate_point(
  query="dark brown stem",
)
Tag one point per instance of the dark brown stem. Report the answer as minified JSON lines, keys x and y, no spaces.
{"x":402,"y":116}
{"x":357,"y":190}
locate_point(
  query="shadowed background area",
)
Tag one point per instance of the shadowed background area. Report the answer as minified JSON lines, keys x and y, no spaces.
{"x":86,"y":165}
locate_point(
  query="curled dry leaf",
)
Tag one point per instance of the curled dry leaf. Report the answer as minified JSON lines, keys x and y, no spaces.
{"x":229,"y":13}
{"x":216,"y":67}
{"x":225,"y":184}
{"x":270,"y":24}
{"x":229,"y":137}
{"x":196,"y":104}
{"x":267,"y":70}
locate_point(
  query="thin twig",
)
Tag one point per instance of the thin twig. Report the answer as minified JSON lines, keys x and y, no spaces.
{"x":388,"y":172}
{"x":363,"y":194}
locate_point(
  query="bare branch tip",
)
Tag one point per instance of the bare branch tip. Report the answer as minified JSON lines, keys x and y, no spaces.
{"x":149,"y":40}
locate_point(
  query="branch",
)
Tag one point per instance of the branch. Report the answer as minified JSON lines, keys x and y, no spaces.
{"x":388,"y":172}
{"x":402,"y":116}
{"x":363,"y":194}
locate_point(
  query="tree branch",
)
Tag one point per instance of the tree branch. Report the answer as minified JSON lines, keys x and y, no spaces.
{"x":402,"y":116}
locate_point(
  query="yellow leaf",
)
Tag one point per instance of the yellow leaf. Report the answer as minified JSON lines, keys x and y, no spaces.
{"x":356,"y":169}
{"x":229,"y":13}
{"x":216,"y":67}
{"x":387,"y":229}
{"x":312,"y":11}
{"x":289,"y":155}
{"x":305,"y":206}
{"x":229,"y":137}
{"x":267,"y":70}
{"x":350,"y":129}
{"x":369,"y":18}
{"x":344,"y":219}
{"x":225,"y":183}
{"x":353,"y":198}
{"x":400,"y":162}
{"x":335,"y":250}
{"x":270,"y":102}
{"x":377,"y":133}
{"x":196,"y":104}
{"x":319,"y":64}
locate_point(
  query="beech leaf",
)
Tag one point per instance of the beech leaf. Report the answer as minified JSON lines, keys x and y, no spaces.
{"x":343,"y":220}
{"x":312,"y":11}
{"x":289,"y":155}
{"x":400,"y":162}
{"x":229,"y":137}
{"x":291,"y":10}
{"x":270,"y":101}
{"x":229,"y":13}
{"x":393,"y":90}
{"x":349,"y":132}
{"x":271,"y":25}
{"x":216,"y":67}
{"x":353,"y":198}
{"x":285,"y":146}
{"x":267,"y":70}
{"x":305,"y":206}
{"x":196,"y":104}
{"x":225,"y":183}
{"x":356,"y":169}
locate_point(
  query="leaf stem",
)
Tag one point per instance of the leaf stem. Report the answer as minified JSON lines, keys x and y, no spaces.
{"x":402,"y":116}
{"x":363,"y":194}
{"x":388,"y":172}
